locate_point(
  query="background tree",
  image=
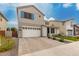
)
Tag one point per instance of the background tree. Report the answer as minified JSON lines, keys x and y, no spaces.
{"x":13,"y":29}
{"x":8,"y":29}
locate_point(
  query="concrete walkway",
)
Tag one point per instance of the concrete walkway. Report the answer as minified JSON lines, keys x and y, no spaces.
{"x":30,"y":45}
{"x":71,"y":49}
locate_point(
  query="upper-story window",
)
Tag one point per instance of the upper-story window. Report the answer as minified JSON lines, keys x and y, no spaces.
{"x":71,"y":24}
{"x":52,"y":30}
{"x":27,"y":15}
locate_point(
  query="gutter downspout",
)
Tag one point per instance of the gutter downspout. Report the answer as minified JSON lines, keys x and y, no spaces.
{"x":41,"y":31}
{"x":74,"y":30}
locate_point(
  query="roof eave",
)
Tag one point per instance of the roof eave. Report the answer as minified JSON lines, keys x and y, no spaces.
{"x":30,"y":6}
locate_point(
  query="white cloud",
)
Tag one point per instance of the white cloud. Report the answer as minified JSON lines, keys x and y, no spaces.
{"x":66,"y":5}
{"x":24,"y":4}
{"x":13,"y":24}
{"x":45,"y":18}
{"x":51,"y":18}
{"x":77,"y":6}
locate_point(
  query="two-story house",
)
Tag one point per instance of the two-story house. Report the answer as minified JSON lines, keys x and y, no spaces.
{"x":3,"y":22}
{"x":76,"y":30}
{"x":31,"y":22}
{"x":55,"y":27}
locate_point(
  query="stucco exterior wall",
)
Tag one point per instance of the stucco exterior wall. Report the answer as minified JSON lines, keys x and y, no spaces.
{"x":58,"y":25}
{"x":62,"y":26}
{"x":69,"y":26}
{"x":8,"y":33}
{"x":76,"y":30}
{"x":37,"y":21}
{"x":44,"y":31}
{"x":3,"y":23}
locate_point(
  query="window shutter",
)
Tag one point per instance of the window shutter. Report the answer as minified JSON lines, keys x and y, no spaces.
{"x":33,"y":16}
{"x":22,"y":14}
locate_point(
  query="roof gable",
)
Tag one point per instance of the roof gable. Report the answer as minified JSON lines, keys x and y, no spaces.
{"x":3,"y":16}
{"x":30,"y":6}
{"x":60,"y":20}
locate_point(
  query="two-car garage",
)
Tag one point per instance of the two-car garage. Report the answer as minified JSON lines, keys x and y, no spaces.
{"x":33,"y":31}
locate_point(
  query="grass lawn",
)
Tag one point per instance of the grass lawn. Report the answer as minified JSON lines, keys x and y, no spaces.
{"x":6,"y":43}
{"x":68,"y":37}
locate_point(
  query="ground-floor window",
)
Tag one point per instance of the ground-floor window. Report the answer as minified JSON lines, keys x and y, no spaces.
{"x":52,"y":30}
{"x":70,"y":33}
{"x":77,"y":32}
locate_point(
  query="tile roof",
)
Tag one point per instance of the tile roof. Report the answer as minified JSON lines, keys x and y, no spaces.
{"x":3,"y":16}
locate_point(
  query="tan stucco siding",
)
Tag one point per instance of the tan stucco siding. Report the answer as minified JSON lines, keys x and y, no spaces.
{"x":63,"y":27}
{"x":58,"y":25}
{"x":37,"y":21}
{"x":3,"y":23}
{"x":69,"y":26}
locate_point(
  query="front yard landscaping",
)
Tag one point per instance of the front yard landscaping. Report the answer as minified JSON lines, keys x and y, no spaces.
{"x":63,"y":38}
{"x":6,"y":43}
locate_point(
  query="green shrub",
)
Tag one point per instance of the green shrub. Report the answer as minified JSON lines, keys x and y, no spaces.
{"x":6,"y":43}
{"x":72,"y":38}
{"x":54,"y":38}
{"x":61,"y":40}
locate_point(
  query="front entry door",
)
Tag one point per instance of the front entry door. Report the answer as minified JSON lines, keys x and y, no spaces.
{"x":48,"y":31}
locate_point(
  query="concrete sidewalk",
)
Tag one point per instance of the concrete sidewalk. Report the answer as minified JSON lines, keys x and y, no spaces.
{"x":71,"y":49}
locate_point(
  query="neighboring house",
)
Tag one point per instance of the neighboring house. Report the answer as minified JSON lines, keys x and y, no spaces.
{"x":31,"y":22}
{"x":76,"y":30}
{"x":3,"y":22}
{"x":55,"y":27}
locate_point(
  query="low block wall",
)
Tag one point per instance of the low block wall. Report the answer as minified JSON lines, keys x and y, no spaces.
{"x":8,"y":33}
{"x":2,"y":33}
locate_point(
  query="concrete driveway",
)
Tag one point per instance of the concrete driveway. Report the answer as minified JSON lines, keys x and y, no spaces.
{"x":71,"y":49}
{"x":29,"y":45}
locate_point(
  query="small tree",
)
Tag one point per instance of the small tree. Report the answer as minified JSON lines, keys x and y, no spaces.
{"x":8,"y":29}
{"x":13,"y":29}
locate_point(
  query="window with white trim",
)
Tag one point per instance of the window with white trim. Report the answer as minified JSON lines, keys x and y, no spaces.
{"x":27,"y":15}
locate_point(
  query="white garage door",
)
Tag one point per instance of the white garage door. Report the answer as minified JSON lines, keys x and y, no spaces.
{"x":31,"y":32}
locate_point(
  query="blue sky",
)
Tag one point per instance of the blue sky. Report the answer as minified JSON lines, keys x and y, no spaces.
{"x":57,"y":11}
{"x":61,"y":11}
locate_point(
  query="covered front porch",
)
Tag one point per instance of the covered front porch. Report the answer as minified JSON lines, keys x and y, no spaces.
{"x":52,"y":31}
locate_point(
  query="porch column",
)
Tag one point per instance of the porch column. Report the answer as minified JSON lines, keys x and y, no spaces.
{"x":49,"y":31}
{"x":41,"y":30}
{"x":20,"y":33}
{"x":55,"y":31}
